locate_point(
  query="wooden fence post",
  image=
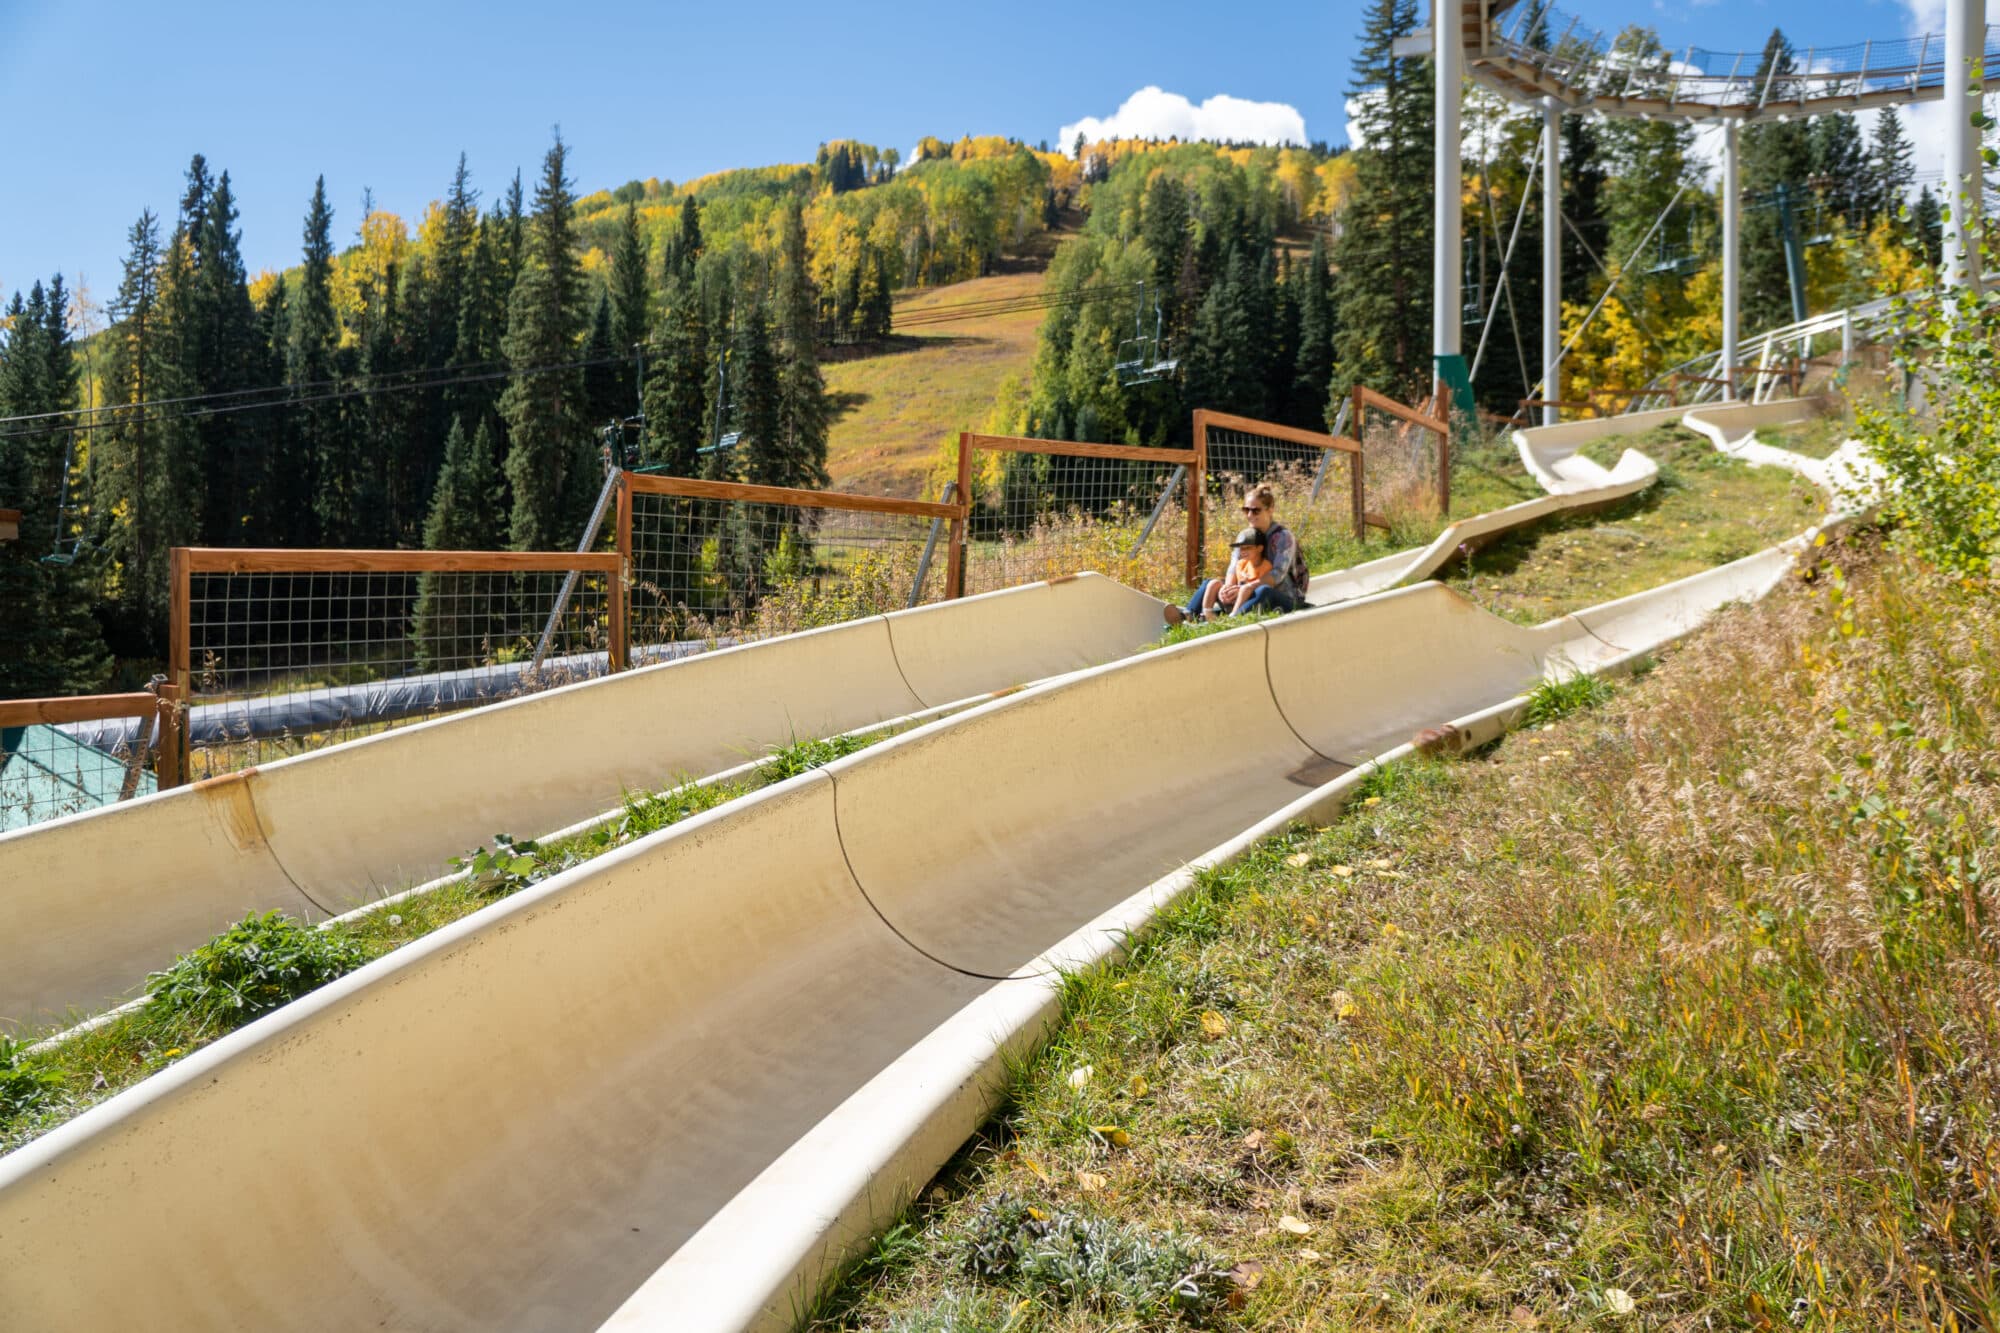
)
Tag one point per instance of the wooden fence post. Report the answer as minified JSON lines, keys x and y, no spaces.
{"x":1357,"y":485}
{"x":961,"y":523}
{"x":621,"y":579}
{"x":179,"y":594}
{"x":170,"y":765}
{"x":1197,"y":496}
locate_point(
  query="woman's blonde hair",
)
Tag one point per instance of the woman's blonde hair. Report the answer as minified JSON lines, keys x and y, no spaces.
{"x":1262,"y":494}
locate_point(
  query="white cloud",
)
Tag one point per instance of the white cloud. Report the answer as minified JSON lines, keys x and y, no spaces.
{"x":1152,"y":113}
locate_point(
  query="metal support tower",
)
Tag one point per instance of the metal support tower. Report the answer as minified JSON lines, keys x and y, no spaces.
{"x":1447,"y":305}
{"x":1732,"y":252}
{"x":1964,"y":44}
{"x":1551,"y":259}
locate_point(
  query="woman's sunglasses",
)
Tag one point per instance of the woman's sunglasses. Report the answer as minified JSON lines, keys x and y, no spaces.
{"x":1253,"y":509}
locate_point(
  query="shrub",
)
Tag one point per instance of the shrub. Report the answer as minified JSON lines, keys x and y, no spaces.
{"x":1098,"y":1263}
{"x":1944,"y":464}
{"x":259,"y":964}
{"x":1552,"y":699}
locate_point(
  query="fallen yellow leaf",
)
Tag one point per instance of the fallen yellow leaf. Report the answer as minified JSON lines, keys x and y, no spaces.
{"x":1297,"y":1226}
{"x":1213,"y":1026}
{"x":1036,"y":1167}
{"x":1310,"y":1254}
{"x":1112,"y":1135}
{"x":1373,"y":800}
{"x":1299,"y":859}
{"x":1139,"y":1086}
{"x":1344,"y":1005}
{"x":1343,"y":871}
{"x":1090,"y":1181}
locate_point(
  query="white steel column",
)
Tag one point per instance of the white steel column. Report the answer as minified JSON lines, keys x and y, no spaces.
{"x":1551,"y":258}
{"x":1448,"y":313}
{"x":1732,"y":254}
{"x":1964,"y":43}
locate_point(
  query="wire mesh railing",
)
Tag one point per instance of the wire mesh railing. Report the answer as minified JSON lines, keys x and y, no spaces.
{"x":67,"y":755}
{"x":720,"y":562}
{"x":1043,"y":509}
{"x":285,"y":651}
{"x":1319,"y":482}
{"x":1613,"y":72}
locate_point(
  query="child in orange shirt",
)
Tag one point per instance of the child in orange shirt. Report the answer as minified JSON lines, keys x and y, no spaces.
{"x":1246,"y":570}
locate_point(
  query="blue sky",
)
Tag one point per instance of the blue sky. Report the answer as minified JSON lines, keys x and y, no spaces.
{"x":108,"y":100}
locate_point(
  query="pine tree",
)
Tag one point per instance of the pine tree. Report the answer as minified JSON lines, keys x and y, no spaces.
{"x":631,"y":299}
{"x":284,"y":514}
{"x":223,"y":340}
{"x":686,"y":245}
{"x":1927,"y":221}
{"x":1890,"y":171}
{"x":677,"y":412}
{"x":140,"y":370}
{"x":1775,"y":153}
{"x":482,"y":325}
{"x":52,"y":644}
{"x":548,"y":449}
{"x":1382,"y":256}
{"x":451,"y":626}
{"x":393,"y":486}
{"x":759,"y":414}
{"x":1313,"y":366}
{"x":802,"y":409}
{"x":604,"y":393}
{"x":1840,"y":174}
{"x":1645,"y":163}
{"x":1165,"y":227}
{"x":1586,"y":237}
{"x":325,"y":447}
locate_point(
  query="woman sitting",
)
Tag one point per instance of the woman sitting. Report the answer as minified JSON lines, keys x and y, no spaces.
{"x":1281,"y":584}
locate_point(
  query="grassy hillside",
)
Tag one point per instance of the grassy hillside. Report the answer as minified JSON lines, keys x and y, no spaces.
{"x":892,"y":408}
{"x":1675,"y":1014}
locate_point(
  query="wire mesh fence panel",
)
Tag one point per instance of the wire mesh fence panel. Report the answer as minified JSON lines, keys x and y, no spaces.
{"x":1312,"y":483}
{"x":280,"y":661}
{"x":51,"y":768}
{"x":1043,"y":513}
{"x":708,"y":570}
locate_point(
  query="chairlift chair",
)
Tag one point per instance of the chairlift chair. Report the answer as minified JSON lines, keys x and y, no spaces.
{"x":1143,"y":358}
{"x":1677,"y":257}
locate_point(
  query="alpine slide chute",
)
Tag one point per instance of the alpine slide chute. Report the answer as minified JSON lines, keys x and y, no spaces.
{"x":677,"y":1085}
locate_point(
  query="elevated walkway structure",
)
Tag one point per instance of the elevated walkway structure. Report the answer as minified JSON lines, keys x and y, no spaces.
{"x":1528,"y":51}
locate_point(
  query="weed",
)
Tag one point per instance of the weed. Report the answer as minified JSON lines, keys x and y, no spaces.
{"x":649,"y":812}
{"x":24,"y":1088}
{"x":1551,"y":699}
{"x":788,"y":761}
{"x":1063,"y":1257}
{"x":259,"y":964}
{"x":511,"y":865}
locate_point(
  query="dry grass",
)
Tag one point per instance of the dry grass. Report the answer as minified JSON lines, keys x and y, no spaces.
{"x":892,"y":408}
{"x":1678,"y":1014}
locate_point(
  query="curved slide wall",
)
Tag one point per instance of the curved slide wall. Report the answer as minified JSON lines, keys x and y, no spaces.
{"x":1549,"y":453}
{"x":89,"y":904}
{"x":1848,"y":476}
{"x":518,"y":1121}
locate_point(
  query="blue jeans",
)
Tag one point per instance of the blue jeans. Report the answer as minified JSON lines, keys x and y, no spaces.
{"x":1266,"y":598}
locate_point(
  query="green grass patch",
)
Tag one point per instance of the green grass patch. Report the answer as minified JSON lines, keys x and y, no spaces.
{"x":1674,"y":1012}
{"x":1553,"y":699}
{"x":1705,"y":510}
{"x":1189,"y":630}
